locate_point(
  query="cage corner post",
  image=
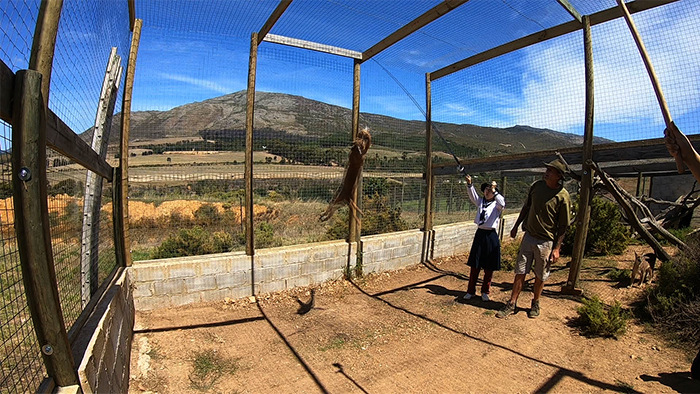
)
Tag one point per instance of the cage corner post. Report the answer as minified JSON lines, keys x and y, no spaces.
{"x":428,"y":232}
{"x":584,"y":214}
{"x":355,"y":219}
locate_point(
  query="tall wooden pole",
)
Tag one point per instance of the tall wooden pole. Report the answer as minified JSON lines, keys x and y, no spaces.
{"x":249,"y":114}
{"x":584,"y":214}
{"x":429,"y":179}
{"x":355,"y":226}
{"x":121,"y":183}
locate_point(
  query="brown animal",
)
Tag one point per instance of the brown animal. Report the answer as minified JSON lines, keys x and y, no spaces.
{"x":346,"y":193}
{"x":643,"y":268}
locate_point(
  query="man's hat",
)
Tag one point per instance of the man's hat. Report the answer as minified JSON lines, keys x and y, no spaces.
{"x":558,"y":165}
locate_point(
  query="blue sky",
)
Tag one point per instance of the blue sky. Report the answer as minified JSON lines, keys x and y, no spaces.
{"x":540,"y":86}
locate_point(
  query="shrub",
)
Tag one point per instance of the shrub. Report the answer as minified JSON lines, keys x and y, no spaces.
{"x":509,"y":255}
{"x":207,"y":214}
{"x":619,"y":275}
{"x":378,"y":218}
{"x":187,"y":242}
{"x":265,"y":236}
{"x":607,"y":234}
{"x":597,"y":319}
{"x":673,"y":303}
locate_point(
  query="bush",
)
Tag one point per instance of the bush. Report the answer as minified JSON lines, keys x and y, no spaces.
{"x":378,"y":218}
{"x":597,"y":319}
{"x":673,"y":304}
{"x":607,"y":234}
{"x":193,"y":242}
{"x":509,"y":255}
{"x":619,"y":275}
{"x":207,"y":214}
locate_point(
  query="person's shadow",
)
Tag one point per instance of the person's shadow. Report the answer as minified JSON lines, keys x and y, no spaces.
{"x":678,"y":381}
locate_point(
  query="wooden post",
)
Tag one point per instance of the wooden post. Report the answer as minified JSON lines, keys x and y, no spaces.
{"x":93,"y":183}
{"x":501,"y":224}
{"x":33,"y":229}
{"x":249,"y":114}
{"x":44,"y":44}
{"x":354,"y":233}
{"x":123,"y":252}
{"x":429,"y":179}
{"x":355,"y":230}
{"x":584,"y":214}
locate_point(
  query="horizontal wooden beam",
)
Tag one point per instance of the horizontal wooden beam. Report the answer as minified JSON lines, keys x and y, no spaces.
{"x":642,"y":150}
{"x":407,"y":29}
{"x":62,"y":139}
{"x":314,"y":46}
{"x":544,"y":35}
{"x":274,"y":17}
{"x":7,"y":86}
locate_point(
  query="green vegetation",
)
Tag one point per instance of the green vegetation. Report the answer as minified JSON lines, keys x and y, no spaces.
{"x":597,"y":319}
{"x":607,"y":234}
{"x":207,"y":367}
{"x":193,"y":242}
{"x":509,"y":255}
{"x":673,"y":304}
{"x":619,"y":275}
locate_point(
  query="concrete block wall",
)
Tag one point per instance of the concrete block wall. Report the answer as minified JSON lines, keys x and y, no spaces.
{"x":186,"y":280}
{"x":104,"y":360}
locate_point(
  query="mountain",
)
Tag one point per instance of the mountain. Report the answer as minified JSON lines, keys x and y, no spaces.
{"x":294,"y":118}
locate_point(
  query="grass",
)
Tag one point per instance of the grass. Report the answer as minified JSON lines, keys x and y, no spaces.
{"x":207,"y":367}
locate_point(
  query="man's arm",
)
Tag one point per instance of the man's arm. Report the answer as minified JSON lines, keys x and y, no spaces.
{"x":678,"y":145}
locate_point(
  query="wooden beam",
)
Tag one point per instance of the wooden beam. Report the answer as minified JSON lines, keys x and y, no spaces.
{"x":602,"y":153}
{"x":544,"y":35}
{"x":407,"y":29}
{"x":132,"y":15}
{"x":33,"y":229}
{"x":62,"y":139}
{"x":571,"y":10}
{"x":313,"y":46}
{"x":7,"y":83}
{"x":274,"y":17}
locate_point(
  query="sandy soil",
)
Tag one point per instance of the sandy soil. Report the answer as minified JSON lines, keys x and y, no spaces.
{"x":405,"y":331}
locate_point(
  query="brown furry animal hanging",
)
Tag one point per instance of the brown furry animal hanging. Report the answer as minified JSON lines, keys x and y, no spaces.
{"x":346,"y":192}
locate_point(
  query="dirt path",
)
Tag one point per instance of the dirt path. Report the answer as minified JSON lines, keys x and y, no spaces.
{"x":399,"y":332}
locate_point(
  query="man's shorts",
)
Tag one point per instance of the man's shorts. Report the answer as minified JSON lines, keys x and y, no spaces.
{"x":534,"y":255}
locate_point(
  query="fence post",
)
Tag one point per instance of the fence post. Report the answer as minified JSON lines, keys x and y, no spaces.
{"x":33,"y":229}
{"x":429,"y":178}
{"x":584,"y":213}
{"x":123,"y":243}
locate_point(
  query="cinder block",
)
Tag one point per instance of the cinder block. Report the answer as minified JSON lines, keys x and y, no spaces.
{"x":148,"y":303}
{"x":233,"y":279}
{"x":269,"y":259}
{"x":182,"y":270}
{"x":392,"y":241}
{"x":215,"y":266}
{"x":200,"y":283}
{"x":185,"y":299}
{"x":148,"y":273}
{"x":270,"y":287}
{"x":169,"y":287}
{"x":143,"y":289}
{"x":324,"y":252}
{"x":299,"y":281}
{"x":216,"y":295}
{"x":311,"y":267}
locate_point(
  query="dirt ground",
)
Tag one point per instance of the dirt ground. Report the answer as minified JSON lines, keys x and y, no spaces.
{"x":404,"y":331}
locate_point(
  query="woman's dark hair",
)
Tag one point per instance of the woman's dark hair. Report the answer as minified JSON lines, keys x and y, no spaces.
{"x":484,"y":186}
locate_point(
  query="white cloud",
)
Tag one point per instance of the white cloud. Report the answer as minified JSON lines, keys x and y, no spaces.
{"x":553,"y":85}
{"x":207,"y":84}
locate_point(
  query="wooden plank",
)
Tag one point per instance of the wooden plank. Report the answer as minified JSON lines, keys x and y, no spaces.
{"x":62,"y":139}
{"x":602,"y":153}
{"x":274,"y":17}
{"x":571,"y":9}
{"x":407,"y":29}
{"x":314,"y":46}
{"x":33,"y":229}
{"x":7,"y":86}
{"x":544,"y":35}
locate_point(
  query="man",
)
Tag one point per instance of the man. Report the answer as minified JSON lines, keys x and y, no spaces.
{"x":545,"y":217}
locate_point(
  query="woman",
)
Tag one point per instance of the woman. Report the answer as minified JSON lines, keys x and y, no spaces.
{"x":486,"y":247}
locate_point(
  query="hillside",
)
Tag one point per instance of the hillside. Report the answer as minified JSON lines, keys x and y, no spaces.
{"x":294,"y":118}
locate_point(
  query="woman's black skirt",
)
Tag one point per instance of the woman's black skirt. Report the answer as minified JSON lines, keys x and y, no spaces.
{"x":486,"y":250}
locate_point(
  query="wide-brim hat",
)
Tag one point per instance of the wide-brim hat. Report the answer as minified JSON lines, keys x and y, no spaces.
{"x":558,"y":165}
